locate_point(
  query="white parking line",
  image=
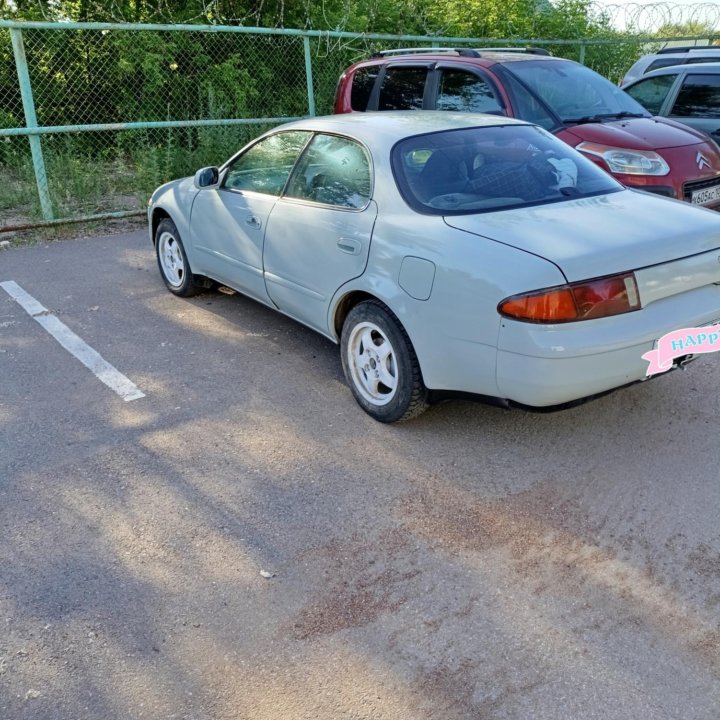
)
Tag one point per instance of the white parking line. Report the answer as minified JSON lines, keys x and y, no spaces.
{"x":74,"y":344}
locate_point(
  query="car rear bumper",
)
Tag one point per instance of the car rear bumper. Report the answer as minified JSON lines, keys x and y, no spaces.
{"x":542,"y":366}
{"x":541,"y":382}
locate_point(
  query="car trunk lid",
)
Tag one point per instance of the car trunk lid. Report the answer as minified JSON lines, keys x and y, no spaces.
{"x":613,"y":233}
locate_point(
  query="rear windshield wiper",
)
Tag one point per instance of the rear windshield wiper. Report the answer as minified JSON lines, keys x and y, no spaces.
{"x":606,"y":116}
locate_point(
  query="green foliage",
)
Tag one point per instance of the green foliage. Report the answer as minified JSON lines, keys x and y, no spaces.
{"x":84,"y":77}
{"x":687,"y":29}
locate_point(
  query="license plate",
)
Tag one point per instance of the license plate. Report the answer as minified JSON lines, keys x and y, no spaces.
{"x":706,"y":195}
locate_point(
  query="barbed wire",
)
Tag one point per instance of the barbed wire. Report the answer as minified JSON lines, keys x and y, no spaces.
{"x":639,"y":18}
{"x":648,"y":18}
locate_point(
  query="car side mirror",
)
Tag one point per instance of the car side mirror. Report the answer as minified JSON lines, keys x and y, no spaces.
{"x":207,"y":177}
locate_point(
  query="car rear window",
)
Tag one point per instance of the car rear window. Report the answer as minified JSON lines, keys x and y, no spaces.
{"x":482,"y":169}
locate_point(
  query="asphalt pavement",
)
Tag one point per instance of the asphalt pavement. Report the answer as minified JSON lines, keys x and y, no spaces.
{"x":243,"y":543}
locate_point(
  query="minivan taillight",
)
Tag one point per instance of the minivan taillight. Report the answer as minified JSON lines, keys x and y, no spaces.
{"x":586,"y":300}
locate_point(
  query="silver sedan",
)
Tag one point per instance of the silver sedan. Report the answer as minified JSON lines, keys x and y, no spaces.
{"x":446,"y":253}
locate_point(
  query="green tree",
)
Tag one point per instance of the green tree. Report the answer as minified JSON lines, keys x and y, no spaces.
{"x":687,"y":29}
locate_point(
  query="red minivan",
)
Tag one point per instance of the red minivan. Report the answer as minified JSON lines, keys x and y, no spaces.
{"x":573,"y":102}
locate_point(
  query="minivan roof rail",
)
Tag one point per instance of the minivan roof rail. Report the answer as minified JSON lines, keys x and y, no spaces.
{"x":463,"y":52}
{"x":688,"y":48}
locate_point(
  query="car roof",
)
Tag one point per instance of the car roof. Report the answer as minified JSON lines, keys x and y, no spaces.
{"x":499,"y":56}
{"x":392,"y":126}
{"x":708,"y":67}
{"x":685,"y":49}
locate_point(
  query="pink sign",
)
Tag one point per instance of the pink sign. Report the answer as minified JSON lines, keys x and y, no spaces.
{"x":688,"y":341}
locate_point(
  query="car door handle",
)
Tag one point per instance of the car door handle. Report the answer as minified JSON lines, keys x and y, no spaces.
{"x":254,"y":222}
{"x":349,"y":245}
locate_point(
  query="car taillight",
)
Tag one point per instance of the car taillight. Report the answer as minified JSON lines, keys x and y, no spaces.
{"x":586,"y":300}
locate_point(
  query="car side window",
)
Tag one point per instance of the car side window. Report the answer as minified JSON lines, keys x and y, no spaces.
{"x":651,"y":93}
{"x":703,"y":59}
{"x":665,"y":62}
{"x":362,"y":87}
{"x":333,"y":170}
{"x":266,"y":166}
{"x":699,"y":96}
{"x":402,"y":88}
{"x":465,"y":92}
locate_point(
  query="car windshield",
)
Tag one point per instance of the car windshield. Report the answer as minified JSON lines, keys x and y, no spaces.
{"x":575,"y":93}
{"x":482,"y":169}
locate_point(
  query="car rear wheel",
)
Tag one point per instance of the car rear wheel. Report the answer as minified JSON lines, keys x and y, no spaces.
{"x":172,"y":261}
{"x":380,"y":364}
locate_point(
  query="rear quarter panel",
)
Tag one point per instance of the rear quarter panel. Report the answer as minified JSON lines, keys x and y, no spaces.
{"x":454,"y":331}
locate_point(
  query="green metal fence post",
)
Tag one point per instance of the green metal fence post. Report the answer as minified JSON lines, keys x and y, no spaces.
{"x":309,"y":76}
{"x":31,"y":122}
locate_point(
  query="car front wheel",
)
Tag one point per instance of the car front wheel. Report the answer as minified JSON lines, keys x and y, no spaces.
{"x":380,"y":364}
{"x":172,"y":261}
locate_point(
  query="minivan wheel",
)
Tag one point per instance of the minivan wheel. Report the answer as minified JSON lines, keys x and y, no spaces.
{"x":380,"y":364}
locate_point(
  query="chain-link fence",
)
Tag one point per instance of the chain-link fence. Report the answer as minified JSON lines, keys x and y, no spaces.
{"x":94,"y":116}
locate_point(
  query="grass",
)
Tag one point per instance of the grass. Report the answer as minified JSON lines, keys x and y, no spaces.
{"x":93,"y":173}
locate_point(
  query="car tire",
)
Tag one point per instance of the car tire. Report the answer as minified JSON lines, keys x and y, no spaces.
{"x":172,"y":261}
{"x":380,"y":364}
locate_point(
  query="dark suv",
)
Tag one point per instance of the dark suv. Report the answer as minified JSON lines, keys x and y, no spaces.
{"x":581,"y":107}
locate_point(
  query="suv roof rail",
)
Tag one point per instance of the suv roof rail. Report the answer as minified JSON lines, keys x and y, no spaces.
{"x":687,"y":48}
{"x":465,"y":52}
{"x":526,"y":50}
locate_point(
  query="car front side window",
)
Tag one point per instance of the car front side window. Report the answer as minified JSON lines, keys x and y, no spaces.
{"x":266,"y":166}
{"x":334,"y":171}
{"x":651,"y":93}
